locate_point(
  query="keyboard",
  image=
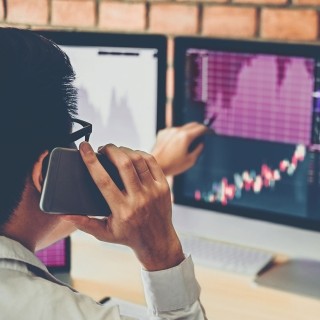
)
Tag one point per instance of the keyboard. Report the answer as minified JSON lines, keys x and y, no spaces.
{"x":225,"y":256}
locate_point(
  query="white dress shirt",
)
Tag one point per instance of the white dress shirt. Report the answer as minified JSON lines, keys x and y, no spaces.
{"x":29,"y":291}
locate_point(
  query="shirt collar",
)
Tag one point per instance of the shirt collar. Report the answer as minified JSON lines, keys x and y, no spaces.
{"x":13,"y":250}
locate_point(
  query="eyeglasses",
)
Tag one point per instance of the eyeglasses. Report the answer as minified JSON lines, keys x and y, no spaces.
{"x":69,"y":142}
{"x":85,"y":131}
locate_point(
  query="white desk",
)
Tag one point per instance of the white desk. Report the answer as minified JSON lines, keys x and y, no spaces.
{"x":100,"y":270}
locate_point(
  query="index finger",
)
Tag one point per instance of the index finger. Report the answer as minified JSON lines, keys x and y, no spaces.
{"x":100,"y":176}
{"x":190,"y":125}
{"x":196,"y":131}
{"x":125,"y":166}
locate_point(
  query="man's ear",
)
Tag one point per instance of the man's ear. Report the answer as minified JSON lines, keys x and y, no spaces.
{"x":37,"y":177}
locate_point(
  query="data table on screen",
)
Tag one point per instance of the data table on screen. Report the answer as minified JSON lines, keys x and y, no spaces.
{"x":55,"y":255}
{"x":264,"y":97}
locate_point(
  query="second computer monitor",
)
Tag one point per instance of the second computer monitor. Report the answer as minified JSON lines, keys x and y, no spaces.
{"x":262,"y":160}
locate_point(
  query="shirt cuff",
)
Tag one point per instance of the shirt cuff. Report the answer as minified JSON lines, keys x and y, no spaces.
{"x":171,"y":289}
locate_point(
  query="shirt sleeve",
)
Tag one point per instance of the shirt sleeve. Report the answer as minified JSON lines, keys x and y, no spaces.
{"x":173,"y":293}
{"x":170,"y":294}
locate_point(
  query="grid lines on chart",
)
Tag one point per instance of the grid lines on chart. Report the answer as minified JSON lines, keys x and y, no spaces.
{"x":264,"y":97}
{"x":53,"y":255}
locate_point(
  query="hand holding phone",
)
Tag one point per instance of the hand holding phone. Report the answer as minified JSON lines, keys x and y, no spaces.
{"x":68,"y":187}
{"x":141,"y":215}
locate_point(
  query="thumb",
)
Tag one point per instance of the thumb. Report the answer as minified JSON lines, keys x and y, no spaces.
{"x":194,"y":155}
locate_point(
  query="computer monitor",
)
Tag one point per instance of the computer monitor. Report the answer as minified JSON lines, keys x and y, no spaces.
{"x":57,"y":256}
{"x":121,"y":82}
{"x":258,"y":177}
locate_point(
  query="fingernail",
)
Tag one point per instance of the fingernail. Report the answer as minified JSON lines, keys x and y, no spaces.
{"x":85,"y":147}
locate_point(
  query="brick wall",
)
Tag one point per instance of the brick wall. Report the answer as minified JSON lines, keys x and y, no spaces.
{"x":267,"y":19}
{"x":296,"y":20}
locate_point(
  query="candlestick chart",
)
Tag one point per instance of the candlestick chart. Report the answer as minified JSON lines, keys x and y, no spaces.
{"x":263,"y":100}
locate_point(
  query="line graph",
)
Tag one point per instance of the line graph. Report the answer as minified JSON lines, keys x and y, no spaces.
{"x":117,"y":93}
{"x":118,"y":126}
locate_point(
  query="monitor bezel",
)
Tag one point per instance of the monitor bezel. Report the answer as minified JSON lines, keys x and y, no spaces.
{"x":121,"y":40}
{"x":181,"y":45}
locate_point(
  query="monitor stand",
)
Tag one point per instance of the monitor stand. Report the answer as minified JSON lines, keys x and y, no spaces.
{"x":299,"y":276}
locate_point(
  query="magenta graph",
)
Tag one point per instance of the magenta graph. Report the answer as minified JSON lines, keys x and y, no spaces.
{"x":55,"y":255}
{"x":256,"y":96}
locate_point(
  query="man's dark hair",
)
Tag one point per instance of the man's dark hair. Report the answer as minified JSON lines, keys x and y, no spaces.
{"x":37,"y":102}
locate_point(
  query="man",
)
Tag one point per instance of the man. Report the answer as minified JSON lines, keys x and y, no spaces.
{"x":38,"y":102}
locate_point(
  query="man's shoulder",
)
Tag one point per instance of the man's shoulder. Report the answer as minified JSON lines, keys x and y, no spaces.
{"x":25,"y":295}
{"x":18,"y":282}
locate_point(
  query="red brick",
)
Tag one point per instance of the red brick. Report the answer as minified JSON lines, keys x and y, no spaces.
{"x":27,"y":11}
{"x":261,"y":1}
{"x":79,"y":13}
{"x":1,"y":10}
{"x":122,"y":16}
{"x":173,"y":18}
{"x":206,"y":1}
{"x":226,"y":21}
{"x":289,"y":24}
{"x":307,"y":2}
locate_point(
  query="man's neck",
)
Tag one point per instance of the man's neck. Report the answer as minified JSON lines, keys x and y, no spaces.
{"x":28,"y":225}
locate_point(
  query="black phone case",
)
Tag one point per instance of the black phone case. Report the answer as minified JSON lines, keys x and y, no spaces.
{"x":68,"y":187}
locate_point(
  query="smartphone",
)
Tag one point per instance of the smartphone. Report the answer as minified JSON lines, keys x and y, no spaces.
{"x":69,"y":188}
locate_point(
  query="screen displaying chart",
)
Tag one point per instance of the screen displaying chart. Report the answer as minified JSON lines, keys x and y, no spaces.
{"x":117,"y":93}
{"x":263,"y":151}
{"x":55,"y":255}
{"x":255,"y":96}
